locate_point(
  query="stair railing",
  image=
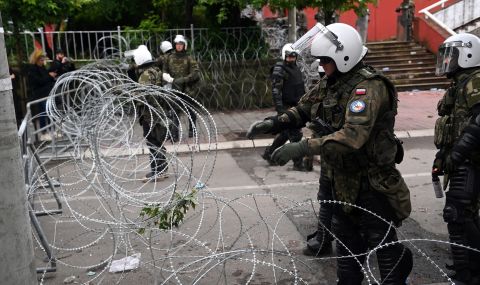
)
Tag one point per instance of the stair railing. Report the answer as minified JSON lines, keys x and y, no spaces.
{"x":428,"y":15}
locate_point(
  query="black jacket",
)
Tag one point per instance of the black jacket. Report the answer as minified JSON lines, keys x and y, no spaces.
{"x":39,"y":82}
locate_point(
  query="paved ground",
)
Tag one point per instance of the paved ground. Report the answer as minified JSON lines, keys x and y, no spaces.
{"x":255,"y":207}
{"x":416,"y":116}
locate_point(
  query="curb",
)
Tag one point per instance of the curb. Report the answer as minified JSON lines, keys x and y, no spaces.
{"x":266,"y":142}
{"x":241,"y":144}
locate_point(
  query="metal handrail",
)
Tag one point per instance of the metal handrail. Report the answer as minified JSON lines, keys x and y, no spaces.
{"x":428,"y":15}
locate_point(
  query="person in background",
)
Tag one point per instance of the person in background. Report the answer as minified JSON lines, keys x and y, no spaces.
{"x":154,"y":129}
{"x":287,"y":88}
{"x":166,"y":48}
{"x":181,"y":70}
{"x":40,"y":83}
{"x":61,"y":64}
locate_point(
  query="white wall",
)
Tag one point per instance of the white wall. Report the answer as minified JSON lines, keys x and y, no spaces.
{"x":459,"y":13}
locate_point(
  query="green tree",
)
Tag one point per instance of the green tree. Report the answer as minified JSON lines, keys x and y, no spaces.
{"x":30,"y":14}
{"x":108,"y":14}
{"x":329,"y":7}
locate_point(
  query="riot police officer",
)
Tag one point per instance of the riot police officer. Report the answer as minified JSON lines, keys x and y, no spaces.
{"x":287,"y":88}
{"x":354,"y":109}
{"x":153,"y":127}
{"x":457,"y":135}
{"x":182,"y":71}
{"x":166,"y":48}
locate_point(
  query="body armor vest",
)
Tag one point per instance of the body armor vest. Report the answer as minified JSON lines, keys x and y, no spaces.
{"x":334,"y":99}
{"x":293,"y":87}
{"x":178,"y":64}
{"x":455,"y":110}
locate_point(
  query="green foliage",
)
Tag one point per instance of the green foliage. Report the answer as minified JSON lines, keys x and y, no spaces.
{"x":223,"y":8}
{"x":152,"y":23}
{"x":29,"y":14}
{"x":171,"y":215}
{"x":108,"y":14}
{"x":359,"y":6}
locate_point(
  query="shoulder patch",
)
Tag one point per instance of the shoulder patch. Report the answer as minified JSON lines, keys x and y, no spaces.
{"x":357,"y":106}
{"x":360,"y":91}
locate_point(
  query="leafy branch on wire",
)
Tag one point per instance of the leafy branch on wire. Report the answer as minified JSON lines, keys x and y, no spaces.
{"x":171,"y":215}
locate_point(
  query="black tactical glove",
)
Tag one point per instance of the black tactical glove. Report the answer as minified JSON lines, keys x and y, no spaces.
{"x":438,"y":165}
{"x":178,"y":83}
{"x":259,"y":127}
{"x":290,"y":151}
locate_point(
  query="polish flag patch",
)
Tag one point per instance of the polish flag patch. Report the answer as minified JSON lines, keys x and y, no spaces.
{"x":360,"y":91}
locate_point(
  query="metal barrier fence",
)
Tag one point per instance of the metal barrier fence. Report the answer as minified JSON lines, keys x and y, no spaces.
{"x":234,"y":62}
{"x":94,"y":45}
{"x":37,"y":180}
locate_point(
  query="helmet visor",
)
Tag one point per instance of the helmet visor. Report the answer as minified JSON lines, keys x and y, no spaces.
{"x":447,"y":58}
{"x":306,"y":40}
{"x":292,"y":53}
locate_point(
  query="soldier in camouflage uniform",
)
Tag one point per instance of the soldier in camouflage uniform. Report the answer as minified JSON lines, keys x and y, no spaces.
{"x":166,"y":48}
{"x":154,"y":129}
{"x":287,"y":88}
{"x":354,"y":108}
{"x":182,"y":71}
{"x":457,"y":135}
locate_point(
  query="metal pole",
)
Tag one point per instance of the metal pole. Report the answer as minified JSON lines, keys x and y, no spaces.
{"x":193,"y":39}
{"x":119,"y":40}
{"x":292,"y":25}
{"x":17,"y":264}
{"x":43,"y":40}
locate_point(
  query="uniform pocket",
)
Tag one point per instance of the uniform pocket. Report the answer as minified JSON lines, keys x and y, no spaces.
{"x":383,"y":149}
{"x":443,"y":128}
{"x":389,"y":181}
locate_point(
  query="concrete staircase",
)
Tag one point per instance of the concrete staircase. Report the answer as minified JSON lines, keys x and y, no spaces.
{"x":409,"y":65}
{"x":471,"y":27}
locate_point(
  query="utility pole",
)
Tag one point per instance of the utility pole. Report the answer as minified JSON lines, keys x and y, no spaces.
{"x":292,"y":25}
{"x":17,"y":263}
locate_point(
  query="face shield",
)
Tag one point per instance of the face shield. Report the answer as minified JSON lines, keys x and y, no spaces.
{"x":447,"y":58}
{"x":292,"y":53}
{"x":306,"y":40}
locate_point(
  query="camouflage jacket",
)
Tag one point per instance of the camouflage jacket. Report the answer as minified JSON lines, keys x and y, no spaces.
{"x":153,"y":76}
{"x":455,"y":111}
{"x":361,"y":106}
{"x":184,"y":69}
{"x":162,"y":58}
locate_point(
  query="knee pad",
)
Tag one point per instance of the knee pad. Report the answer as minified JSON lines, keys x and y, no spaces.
{"x":450,"y":214}
{"x":456,"y":202}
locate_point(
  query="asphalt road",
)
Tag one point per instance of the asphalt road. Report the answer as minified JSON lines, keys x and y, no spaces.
{"x":247,"y":205}
{"x":425,"y":221}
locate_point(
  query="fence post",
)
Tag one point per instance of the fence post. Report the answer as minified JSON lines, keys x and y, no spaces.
{"x":119,"y":40}
{"x":43,"y":40}
{"x":193,"y":39}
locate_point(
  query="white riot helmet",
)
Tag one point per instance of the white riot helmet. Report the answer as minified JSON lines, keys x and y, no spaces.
{"x":458,"y":51}
{"x":141,"y":55}
{"x":165,"y":46}
{"x":180,"y":39}
{"x":341,"y":43}
{"x":288,"y":50}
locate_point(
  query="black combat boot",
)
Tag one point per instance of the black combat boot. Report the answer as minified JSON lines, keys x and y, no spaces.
{"x":318,"y":245}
